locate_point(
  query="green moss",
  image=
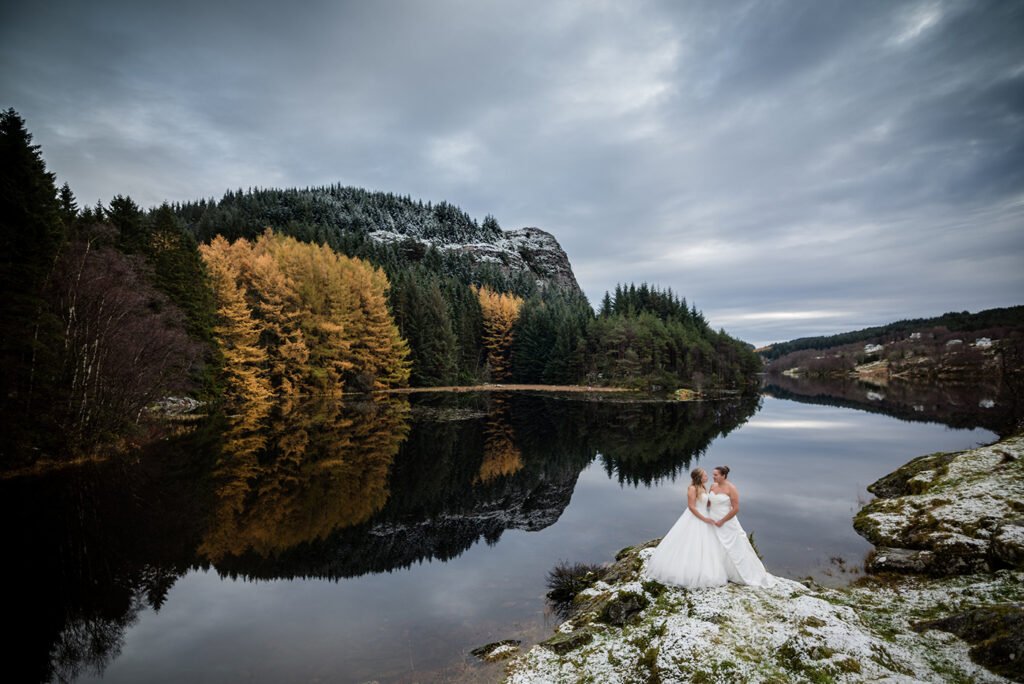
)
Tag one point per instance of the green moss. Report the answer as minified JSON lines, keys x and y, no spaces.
{"x":561,"y":644}
{"x":624,"y":609}
{"x":724,"y":671}
{"x":820,"y":652}
{"x":689,"y":603}
{"x":643,"y":640}
{"x":812,"y":621}
{"x":899,"y":482}
{"x":882,"y":657}
{"x":866,"y":526}
{"x":648,"y":666}
{"x":848,"y":665}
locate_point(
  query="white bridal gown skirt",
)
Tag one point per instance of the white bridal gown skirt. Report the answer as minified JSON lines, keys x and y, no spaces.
{"x":697,"y":554}
{"x":690,"y":555}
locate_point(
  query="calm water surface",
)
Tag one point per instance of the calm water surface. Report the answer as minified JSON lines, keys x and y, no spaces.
{"x":383,"y":541}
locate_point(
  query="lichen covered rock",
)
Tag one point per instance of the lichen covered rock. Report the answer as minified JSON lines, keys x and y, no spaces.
{"x":785,"y":633}
{"x":996,"y":633}
{"x":955,"y":506}
{"x":1008,"y":543}
{"x":499,"y":650}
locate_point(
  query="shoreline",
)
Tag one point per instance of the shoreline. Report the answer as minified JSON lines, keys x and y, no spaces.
{"x":953,"y":612}
{"x":498,"y":387}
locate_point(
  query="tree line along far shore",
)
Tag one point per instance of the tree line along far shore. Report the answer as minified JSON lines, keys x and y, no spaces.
{"x":110,"y":307}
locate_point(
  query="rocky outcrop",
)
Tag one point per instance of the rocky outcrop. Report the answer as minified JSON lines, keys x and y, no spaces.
{"x":543,"y":255}
{"x":498,"y":650}
{"x":947,"y":514}
{"x":529,"y":250}
{"x":996,"y":635}
{"x":625,"y":629}
{"x":947,"y":608}
{"x":174,"y":407}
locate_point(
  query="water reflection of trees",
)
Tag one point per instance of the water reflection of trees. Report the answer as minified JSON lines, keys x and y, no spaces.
{"x":475,"y":466}
{"x":501,"y":455}
{"x":324,"y":489}
{"x":94,"y":547}
{"x":644,"y":444}
{"x":112,"y":539}
{"x":993,"y":405}
{"x":297,"y":473}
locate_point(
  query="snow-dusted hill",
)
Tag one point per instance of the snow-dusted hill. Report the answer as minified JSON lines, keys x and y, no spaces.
{"x":339,"y":214}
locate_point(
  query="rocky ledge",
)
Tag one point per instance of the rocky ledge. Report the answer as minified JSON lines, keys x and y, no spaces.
{"x":949,"y":513}
{"x":894,"y":627}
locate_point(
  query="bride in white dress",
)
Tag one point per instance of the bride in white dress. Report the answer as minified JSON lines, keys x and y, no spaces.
{"x":707,"y":546}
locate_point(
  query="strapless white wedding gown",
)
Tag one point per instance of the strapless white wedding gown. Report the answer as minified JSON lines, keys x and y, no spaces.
{"x":697,"y":554}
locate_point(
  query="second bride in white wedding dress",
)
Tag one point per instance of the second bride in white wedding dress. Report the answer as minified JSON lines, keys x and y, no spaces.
{"x":707,"y":546}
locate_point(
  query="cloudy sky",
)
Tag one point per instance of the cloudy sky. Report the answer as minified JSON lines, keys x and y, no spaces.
{"x":793,"y":168}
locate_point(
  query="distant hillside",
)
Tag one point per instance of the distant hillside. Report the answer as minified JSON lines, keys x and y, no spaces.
{"x":1011,"y":317}
{"x":957,"y":347}
{"x":392,"y":231}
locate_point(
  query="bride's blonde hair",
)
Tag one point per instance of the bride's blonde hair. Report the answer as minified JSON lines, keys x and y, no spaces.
{"x":697,"y":479}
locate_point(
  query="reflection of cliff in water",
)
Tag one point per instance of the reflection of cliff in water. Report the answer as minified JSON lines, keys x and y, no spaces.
{"x":995,"y":407}
{"x":474,"y":466}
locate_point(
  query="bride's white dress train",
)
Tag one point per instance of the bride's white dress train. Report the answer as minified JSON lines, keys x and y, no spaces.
{"x":697,"y":554}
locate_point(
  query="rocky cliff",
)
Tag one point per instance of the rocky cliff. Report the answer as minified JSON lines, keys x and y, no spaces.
{"x":527,"y":249}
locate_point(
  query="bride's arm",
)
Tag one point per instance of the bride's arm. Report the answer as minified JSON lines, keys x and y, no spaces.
{"x":691,"y":499}
{"x":734,"y":498}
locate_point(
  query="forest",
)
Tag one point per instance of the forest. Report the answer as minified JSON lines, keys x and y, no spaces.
{"x":954,"y":321}
{"x":266,"y":295}
{"x":959,"y":348}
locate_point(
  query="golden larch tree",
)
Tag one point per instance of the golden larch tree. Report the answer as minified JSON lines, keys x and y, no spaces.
{"x":500,"y":313}
{"x":236,"y":332}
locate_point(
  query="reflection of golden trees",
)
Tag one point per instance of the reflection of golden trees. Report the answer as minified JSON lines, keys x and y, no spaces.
{"x":501,"y":455}
{"x":320,"y":468}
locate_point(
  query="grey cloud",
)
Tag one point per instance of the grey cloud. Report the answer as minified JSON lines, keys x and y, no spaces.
{"x":863,"y":159}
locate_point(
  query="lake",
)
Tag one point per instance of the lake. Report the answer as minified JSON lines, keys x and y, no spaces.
{"x":383,"y":540}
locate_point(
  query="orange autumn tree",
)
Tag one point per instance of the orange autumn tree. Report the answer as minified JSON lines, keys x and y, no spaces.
{"x":500,"y":313}
{"x":236,"y":331}
{"x":322,"y":317}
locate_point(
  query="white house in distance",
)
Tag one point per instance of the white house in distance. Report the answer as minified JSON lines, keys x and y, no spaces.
{"x":983,"y":343}
{"x":873,"y":348}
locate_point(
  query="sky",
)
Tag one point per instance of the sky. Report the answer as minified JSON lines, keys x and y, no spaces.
{"x":792,"y":168}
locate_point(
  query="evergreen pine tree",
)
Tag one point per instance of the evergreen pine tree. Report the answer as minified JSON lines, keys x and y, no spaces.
{"x":132,"y":228}
{"x":68,"y":206}
{"x":31,"y":238}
